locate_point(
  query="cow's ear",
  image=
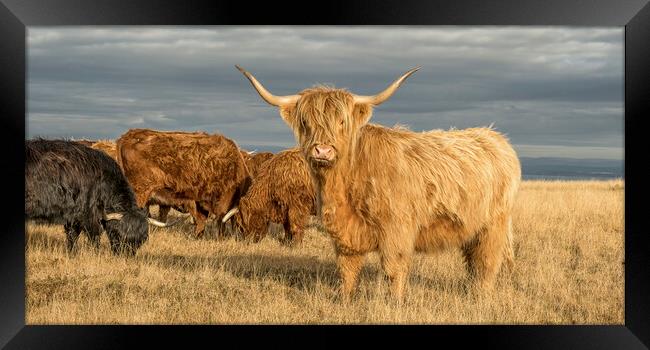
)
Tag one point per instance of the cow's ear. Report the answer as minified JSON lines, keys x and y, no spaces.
{"x":362,"y":113}
{"x":287,"y":113}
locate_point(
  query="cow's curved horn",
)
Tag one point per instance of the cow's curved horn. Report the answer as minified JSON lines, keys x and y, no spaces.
{"x":271,"y":99}
{"x":229,"y":214}
{"x":384,"y":95}
{"x":114,"y":216}
{"x":162,"y":224}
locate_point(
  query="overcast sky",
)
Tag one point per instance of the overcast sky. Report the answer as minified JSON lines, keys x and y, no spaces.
{"x":555,"y":91}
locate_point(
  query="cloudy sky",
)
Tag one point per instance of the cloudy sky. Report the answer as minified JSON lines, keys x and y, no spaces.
{"x":555,"y":91}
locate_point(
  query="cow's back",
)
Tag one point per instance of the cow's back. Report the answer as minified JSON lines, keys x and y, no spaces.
{"x":463,"y":175}
{"x":60,"y":175}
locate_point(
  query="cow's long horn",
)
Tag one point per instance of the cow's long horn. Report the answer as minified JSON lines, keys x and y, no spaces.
{"x":229,"y":214}
{"x":162,"y":224}
{"x":114,"y":216}
{"x":277,"y":101}
{"x":384,"y":95}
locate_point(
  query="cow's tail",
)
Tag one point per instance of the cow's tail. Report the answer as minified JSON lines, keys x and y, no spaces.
{"x":509,"y":253}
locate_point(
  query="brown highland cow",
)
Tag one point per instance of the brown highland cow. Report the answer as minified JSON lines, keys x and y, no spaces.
{"x":206,"y":174}
{"x":396,"y":191}
{"x":282,"y":193}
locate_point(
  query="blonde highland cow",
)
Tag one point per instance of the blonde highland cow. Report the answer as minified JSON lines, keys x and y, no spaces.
{"x":396,"y":191}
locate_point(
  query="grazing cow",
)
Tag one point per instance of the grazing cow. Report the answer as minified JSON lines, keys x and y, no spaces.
{"x":396,"y":191}
{"x":255,"y":160}
{"x":204,"y":174}
{"x":282,"y":193}
{"x":83,"y":189}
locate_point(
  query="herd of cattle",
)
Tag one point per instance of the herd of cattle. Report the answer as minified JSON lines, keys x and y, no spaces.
{"x":193,"y":172}
{"x":373,"y":188}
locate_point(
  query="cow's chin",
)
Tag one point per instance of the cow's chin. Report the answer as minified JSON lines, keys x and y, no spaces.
{"x":321,"y":164}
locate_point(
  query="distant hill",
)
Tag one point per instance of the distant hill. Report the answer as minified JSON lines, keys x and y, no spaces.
{"x":571,"y":168}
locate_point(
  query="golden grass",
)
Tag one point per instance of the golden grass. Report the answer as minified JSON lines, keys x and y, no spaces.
{"x":569,"y":269}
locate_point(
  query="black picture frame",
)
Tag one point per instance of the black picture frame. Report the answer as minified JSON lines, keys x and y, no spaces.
{"x":16,"y":15}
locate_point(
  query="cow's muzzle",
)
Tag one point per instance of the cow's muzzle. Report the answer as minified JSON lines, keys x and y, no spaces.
{"x":322,"y":155}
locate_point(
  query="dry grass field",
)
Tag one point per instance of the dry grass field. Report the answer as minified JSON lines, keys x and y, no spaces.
{"x":569,"y":250}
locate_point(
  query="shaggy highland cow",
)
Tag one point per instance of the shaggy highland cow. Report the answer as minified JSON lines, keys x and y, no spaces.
{"x":204,"y":174}
{"x":396,"y":191}
{"x":281,"y":193}
{"x":83,"y":189}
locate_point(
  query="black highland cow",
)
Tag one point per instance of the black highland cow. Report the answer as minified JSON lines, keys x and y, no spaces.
{"x":83,"y":189}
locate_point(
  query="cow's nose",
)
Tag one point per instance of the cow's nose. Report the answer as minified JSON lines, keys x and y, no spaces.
{"x":323,"y":152}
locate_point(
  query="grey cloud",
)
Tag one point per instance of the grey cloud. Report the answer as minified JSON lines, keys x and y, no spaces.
{"x":540,"y":85}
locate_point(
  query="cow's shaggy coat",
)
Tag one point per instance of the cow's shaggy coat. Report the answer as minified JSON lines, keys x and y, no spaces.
{"x":396,"y":191}
{"x":74,"y":185}
{"x":282,"y":193}
{"x":204,"y":174}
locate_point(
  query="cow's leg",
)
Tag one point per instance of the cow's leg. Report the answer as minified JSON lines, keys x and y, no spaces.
{"x":94,"y":228}
{"x":163,"y":210}
{"x":192,"y":208}
{"x":221,"y":228}
{"x":94,"y":233}
{"x":396,"y":263}
{"x":349,"y":266}
{"x":296,"y":228}
{"x":287,"y":238}
{"x":72,"y":231}
{"x":485,"y":253}
{"x":509,"y":254}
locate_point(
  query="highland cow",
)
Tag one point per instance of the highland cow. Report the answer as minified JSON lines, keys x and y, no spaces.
{"x":396,"y":191}
{"x":282,"y":193}
{"x":83,"y":189}
{"x":201,"y":173}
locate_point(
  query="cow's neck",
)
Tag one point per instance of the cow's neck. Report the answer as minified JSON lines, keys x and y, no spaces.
{"x":339,"y":216}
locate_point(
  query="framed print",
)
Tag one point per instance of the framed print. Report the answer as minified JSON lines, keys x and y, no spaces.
{"x":463,"y":168}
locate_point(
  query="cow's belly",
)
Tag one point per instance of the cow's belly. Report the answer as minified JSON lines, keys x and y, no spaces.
{"x":442,"y":234}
